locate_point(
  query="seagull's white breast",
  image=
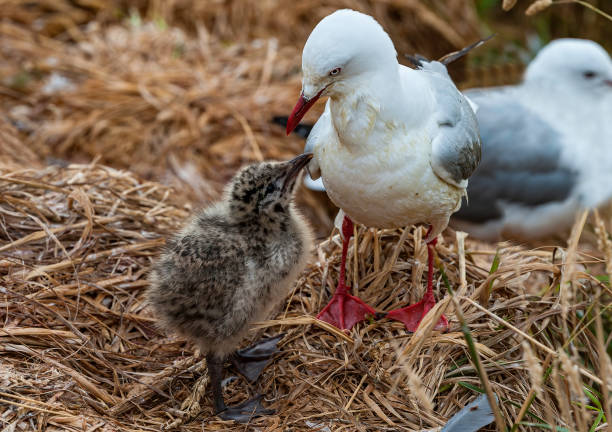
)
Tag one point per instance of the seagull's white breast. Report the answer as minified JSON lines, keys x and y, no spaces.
{"x":386,"y":180}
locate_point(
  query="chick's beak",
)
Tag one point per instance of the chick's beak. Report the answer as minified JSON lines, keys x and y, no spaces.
{"x":301,"y":107}
{"x":295,"y":166}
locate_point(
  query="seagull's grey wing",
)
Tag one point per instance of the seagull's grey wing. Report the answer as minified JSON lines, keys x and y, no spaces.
{"x":521,"y":160}
{"x":456,"y":147}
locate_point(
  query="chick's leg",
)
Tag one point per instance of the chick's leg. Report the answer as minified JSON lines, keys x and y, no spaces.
{"x":242,"y":413}
{"x":345,"y":310}
{"x":215,"y":372}
{"x":251,"y":361}
{"x":412,"y":315}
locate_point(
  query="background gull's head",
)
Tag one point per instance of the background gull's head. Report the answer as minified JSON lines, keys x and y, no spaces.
{"x":573,"y":65}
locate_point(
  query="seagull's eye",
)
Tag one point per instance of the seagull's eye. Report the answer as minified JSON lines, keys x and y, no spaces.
{"x":589,"y":74}
{"x":270,"y":189}
{"x":335,"y":71}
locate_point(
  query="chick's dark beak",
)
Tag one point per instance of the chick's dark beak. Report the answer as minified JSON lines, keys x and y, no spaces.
{"x":295,"y":166}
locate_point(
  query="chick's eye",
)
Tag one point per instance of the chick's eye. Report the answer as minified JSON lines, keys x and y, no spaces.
{"x":589,"y":74}
{"x":335,"y":71}
{"x":270,"y":189}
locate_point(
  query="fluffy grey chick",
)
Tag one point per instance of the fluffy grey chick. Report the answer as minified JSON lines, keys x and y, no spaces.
{"x":229,"y":267}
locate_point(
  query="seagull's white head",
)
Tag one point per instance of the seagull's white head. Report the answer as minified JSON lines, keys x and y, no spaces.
{"x":343,"y":48}
{"x":574,"y":64}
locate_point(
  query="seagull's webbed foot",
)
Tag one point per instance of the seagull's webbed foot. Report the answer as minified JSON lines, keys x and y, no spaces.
{"x":412,"y":316}
{"x":345,"y":310}
{"x":246,"y":411}
{"x":251,"y":361}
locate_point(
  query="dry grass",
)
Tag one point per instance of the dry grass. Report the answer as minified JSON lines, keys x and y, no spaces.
{"x":12,"y":151}
{"x":81,"y":352}
{"x":415,"y":25}
{"x":182,"y":94}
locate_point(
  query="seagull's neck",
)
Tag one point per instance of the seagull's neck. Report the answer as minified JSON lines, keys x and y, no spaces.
{"x":373,"y":101}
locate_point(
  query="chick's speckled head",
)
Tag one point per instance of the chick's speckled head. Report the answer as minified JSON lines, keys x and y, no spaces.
{"x":266,"y":188}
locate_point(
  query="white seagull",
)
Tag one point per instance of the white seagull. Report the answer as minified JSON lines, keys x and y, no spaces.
{"x":394,"y":146}
{"x":547,"y":145}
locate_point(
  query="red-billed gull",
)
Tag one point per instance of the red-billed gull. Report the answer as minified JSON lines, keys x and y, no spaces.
{"x":394,"y":146}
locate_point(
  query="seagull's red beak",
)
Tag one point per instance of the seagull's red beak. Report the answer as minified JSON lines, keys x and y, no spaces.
{"x":301,"y":107}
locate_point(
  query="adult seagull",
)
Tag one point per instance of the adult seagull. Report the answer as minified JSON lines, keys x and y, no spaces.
{"x":394,"y":146}
{"x":547,"y":145}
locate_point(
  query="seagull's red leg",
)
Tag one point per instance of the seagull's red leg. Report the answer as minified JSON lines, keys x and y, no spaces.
{"x":345,"y":310}
{"x":412,"y":315}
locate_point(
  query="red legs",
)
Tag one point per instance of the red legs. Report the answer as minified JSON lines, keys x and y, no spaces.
{"x":412,"y":315}
{"x":345,"y":310}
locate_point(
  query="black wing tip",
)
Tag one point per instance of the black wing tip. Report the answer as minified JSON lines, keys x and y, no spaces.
{"x":451,"y":57}
{"x":280,"y":120}
{"x":302,"y":130}
{"x":416,"y":60}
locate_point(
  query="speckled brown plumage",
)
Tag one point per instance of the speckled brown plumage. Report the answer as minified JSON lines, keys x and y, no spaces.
{"x":234,"y":261}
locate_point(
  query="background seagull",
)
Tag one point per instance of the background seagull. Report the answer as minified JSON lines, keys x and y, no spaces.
{"x":547,"y":145}
{"x":394,"y":146}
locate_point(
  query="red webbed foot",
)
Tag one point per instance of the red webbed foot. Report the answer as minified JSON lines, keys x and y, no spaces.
{"x":345,"y":310}
{"x":412,"y":316}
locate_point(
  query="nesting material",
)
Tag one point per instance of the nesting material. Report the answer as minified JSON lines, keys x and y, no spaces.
{"x":80,"y":352}
{"x":13,"y":153}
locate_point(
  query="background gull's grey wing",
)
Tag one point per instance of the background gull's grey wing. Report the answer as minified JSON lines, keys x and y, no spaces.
{"x":456,"y":147}
{"x":521,"y":160}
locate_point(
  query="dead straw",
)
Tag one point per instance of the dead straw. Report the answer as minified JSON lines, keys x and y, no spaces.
{"x":90,"y":353}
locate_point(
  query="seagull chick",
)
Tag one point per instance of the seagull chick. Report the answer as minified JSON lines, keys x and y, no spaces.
{"x":229,"y":267}
{"x":395,"y":146}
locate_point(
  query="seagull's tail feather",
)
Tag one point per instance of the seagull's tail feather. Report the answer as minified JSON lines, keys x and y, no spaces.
{"x":451,"y":57}
{"x":303,"y":129}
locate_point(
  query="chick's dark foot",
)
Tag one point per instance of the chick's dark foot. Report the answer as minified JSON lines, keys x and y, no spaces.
{"x":412,"y":316}
{"x":246,"y":411}
{"x":252,"y":360}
